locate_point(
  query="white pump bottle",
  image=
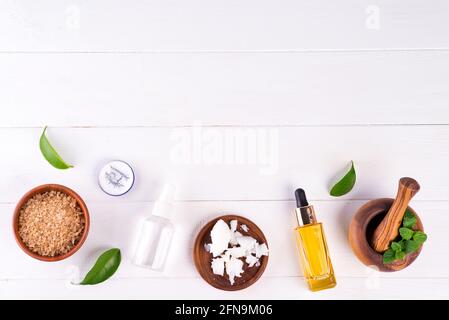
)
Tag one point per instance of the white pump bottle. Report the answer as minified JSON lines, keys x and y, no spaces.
{"x":155,"y":237}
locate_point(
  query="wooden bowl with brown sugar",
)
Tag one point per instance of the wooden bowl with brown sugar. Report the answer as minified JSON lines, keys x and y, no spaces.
{"x":48,"y":210}
{"x":202,"y":257}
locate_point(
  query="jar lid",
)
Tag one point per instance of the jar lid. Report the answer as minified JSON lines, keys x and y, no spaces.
{"x":116,"y":178}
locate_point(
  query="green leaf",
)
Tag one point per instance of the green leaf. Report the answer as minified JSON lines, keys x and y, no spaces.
{"x":411,"y":246}
{"x":406,"y":233}
{"x":420,"y":237}
{"x":409,"y":220}
{"x":396,"y":246}
{"x":345,"y":184}
{"x":50,"y":153}
{"x":399,"y":255}
{"x":106,"y":265}
{"x":389,"y":256}
{"x":402,"y":243}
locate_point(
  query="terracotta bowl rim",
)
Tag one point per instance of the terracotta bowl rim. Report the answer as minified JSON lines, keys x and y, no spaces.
{"x":41,"y":189}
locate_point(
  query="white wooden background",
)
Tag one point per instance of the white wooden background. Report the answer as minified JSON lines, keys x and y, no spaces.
{"x":366,"y":80}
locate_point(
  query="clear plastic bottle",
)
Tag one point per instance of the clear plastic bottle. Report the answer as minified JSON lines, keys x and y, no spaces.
{"x":156,"y":233}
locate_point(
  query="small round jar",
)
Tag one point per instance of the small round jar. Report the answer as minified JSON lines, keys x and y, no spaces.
{"x":116,"y":178}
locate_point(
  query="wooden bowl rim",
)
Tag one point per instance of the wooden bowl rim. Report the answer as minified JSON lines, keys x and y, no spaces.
{"x":199,"y":246}
{"x":42,"y":189}
{"x":384,"y":268}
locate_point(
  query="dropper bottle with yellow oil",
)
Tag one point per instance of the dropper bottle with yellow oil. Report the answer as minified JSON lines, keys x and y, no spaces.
{"x":313,"y":251}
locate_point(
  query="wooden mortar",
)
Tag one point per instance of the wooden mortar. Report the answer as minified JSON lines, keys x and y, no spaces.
{"x":362,"y":229}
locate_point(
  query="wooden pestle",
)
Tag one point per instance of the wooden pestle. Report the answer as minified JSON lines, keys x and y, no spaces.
{"x":388,"y":229}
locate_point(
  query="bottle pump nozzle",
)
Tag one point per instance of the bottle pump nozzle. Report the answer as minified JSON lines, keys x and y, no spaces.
{"x":164,"y":204}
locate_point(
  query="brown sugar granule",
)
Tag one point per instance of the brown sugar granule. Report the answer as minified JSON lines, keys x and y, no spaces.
{"x":51,"y":224}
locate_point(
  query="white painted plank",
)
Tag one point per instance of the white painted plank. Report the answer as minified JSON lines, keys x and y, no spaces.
{"x":272,"y":289}
{"x":207,"y":165}
{"x":116,"y":225}
{"x":105,"y":25}
{"x":224,"y":89}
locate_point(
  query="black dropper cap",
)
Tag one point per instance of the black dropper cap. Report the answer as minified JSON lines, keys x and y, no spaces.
{"x":301,"y":198}
{"x":304,"y":211}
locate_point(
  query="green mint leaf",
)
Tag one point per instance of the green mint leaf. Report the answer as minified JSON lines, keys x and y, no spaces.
{"x":409,"y":220}
{"x":106,"y":265}
{"x":50,"y":153}
{"x":399,"y":255}
{"x":389,"y":256}
{"x":406,"y":233}
{"x":411,"y":246}
{"x":396,"y":246}
{"x":402,"y":243}
{"x":345,"y":184}
{"x":419,"y":237}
